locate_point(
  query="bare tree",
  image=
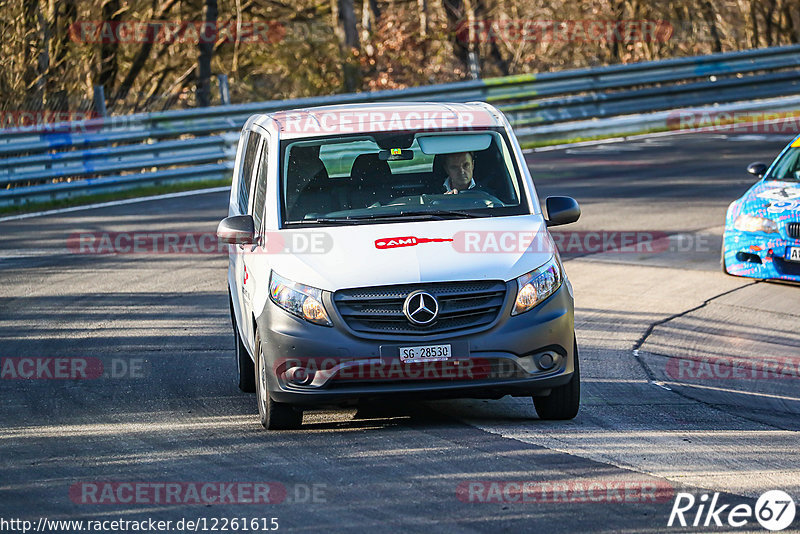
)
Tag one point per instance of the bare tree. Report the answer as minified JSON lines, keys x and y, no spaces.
{"x":206,"y":47}
{"x":140,"y":60}
{"x":32,"y":72}
{"x":345,"y":21}
{"x":422,"y":6}
{"x":107,"y":74}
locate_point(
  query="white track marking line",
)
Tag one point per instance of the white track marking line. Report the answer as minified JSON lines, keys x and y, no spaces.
{"x":115,"y":203}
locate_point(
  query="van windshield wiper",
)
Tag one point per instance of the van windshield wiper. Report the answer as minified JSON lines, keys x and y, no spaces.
{"x":432,"y":215}
{"x":320,"y":220}
{"x":457,"y":213}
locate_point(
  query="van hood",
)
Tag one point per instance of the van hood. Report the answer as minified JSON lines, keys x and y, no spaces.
{"x":338,"y":257}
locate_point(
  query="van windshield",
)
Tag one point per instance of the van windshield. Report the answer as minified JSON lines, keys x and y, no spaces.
{"x":373,"y":177}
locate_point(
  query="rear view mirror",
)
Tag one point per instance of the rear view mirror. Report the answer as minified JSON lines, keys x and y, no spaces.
{"x":562,"y":210}
{"x":395,"y":154}
{"x":757,"y":169}
{"x":237,"y":230}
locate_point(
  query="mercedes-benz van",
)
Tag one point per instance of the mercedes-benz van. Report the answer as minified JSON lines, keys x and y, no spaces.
{"x":391,"y":251}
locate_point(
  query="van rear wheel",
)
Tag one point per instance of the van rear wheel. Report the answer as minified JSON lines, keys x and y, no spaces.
{"x":244,"y":363}
{"x":564,"y":401}
{"x":273,"y":415}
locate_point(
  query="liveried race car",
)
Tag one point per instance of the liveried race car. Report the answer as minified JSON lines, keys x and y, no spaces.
{"x":762,"y":228}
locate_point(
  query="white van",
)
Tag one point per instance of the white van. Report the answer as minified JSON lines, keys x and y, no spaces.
{"x":388,"y":251}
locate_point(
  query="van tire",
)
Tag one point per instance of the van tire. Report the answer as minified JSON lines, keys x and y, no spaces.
{"x":244,"y":363}
{"x":564,"y":401}
{"x":244,"y":366}
{"x":273,"y":415}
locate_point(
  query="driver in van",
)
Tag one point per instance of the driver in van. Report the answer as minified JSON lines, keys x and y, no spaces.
{"x":459,"y":167}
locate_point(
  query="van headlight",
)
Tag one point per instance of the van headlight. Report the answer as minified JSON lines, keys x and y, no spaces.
{"x":748,"y":223}
{"x":298,"y":299}
{"x":535,"y":286}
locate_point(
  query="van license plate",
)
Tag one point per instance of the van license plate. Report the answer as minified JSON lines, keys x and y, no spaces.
{"x":794,"y":254}
{"x":430,"y":353}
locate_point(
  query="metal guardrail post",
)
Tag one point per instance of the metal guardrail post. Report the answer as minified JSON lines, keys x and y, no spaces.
{"x":224,"y":90}
{"x":100,"y":100}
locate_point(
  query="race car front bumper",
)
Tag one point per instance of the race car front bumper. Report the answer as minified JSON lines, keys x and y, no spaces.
{"x":763,"y":256}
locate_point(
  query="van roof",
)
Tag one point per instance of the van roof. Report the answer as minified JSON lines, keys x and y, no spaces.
{"x":383,"y":117}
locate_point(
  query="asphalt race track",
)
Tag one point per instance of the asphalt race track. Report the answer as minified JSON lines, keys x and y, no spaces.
{"x":658,"y":410}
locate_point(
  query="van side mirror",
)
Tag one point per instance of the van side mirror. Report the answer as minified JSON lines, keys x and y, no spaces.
{"x":561,"y":210}
{"x":237,"y":230}
{"x":757,"y":169}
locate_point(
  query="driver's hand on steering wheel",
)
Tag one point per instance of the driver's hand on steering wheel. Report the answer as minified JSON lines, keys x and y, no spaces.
{"x":452,"y":192}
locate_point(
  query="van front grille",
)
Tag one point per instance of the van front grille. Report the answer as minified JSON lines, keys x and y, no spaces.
{"x":462,"y":306}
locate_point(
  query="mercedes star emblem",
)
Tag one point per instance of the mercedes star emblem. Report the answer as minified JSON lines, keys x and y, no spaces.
{"x":421,"y":308}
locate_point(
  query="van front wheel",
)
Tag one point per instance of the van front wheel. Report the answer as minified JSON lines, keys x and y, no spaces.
{"x":273,"y":415}
{"x":564,"y":401}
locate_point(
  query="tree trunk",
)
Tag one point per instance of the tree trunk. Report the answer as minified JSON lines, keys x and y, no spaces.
{"x":472,"y":50}
{"x":31,"y":73}
{"x":366,"y":29}
{"x":61,"y":14}
{"x":616,"y":46}
{"x":108,"y":51}
{"x":792,"y":28}
{"x":345,"y":20}
{"x":43,"y":80}
{"x":140,"y":59}
{"x":754,"y":19}
{"x":423,"y":18}
{"x":768,"y":9}
{"x":347,"y":17}
{"x":711,"y":19}
{"x":206,"y":47}
{"x":376,"y":12}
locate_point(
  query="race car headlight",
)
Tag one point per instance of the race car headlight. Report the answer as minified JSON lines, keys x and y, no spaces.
{"x":535,"y":286}
{"x":748,"y":223}
{"x":298,"y":299}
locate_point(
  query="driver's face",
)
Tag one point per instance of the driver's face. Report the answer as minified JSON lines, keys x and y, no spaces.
{"x":459,"y":170}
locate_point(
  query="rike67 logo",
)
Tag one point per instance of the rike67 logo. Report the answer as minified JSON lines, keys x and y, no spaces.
{"x":774,"y":510}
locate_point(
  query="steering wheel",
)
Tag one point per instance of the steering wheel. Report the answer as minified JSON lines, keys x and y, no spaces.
{"x":477,"y":196}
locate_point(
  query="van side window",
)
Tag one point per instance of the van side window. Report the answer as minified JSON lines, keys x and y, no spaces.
{"x":261,"y":186}
{"x":247,"y":170}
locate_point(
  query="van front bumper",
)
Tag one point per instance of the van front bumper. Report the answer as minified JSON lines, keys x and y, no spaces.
{"x":523,"y":355}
